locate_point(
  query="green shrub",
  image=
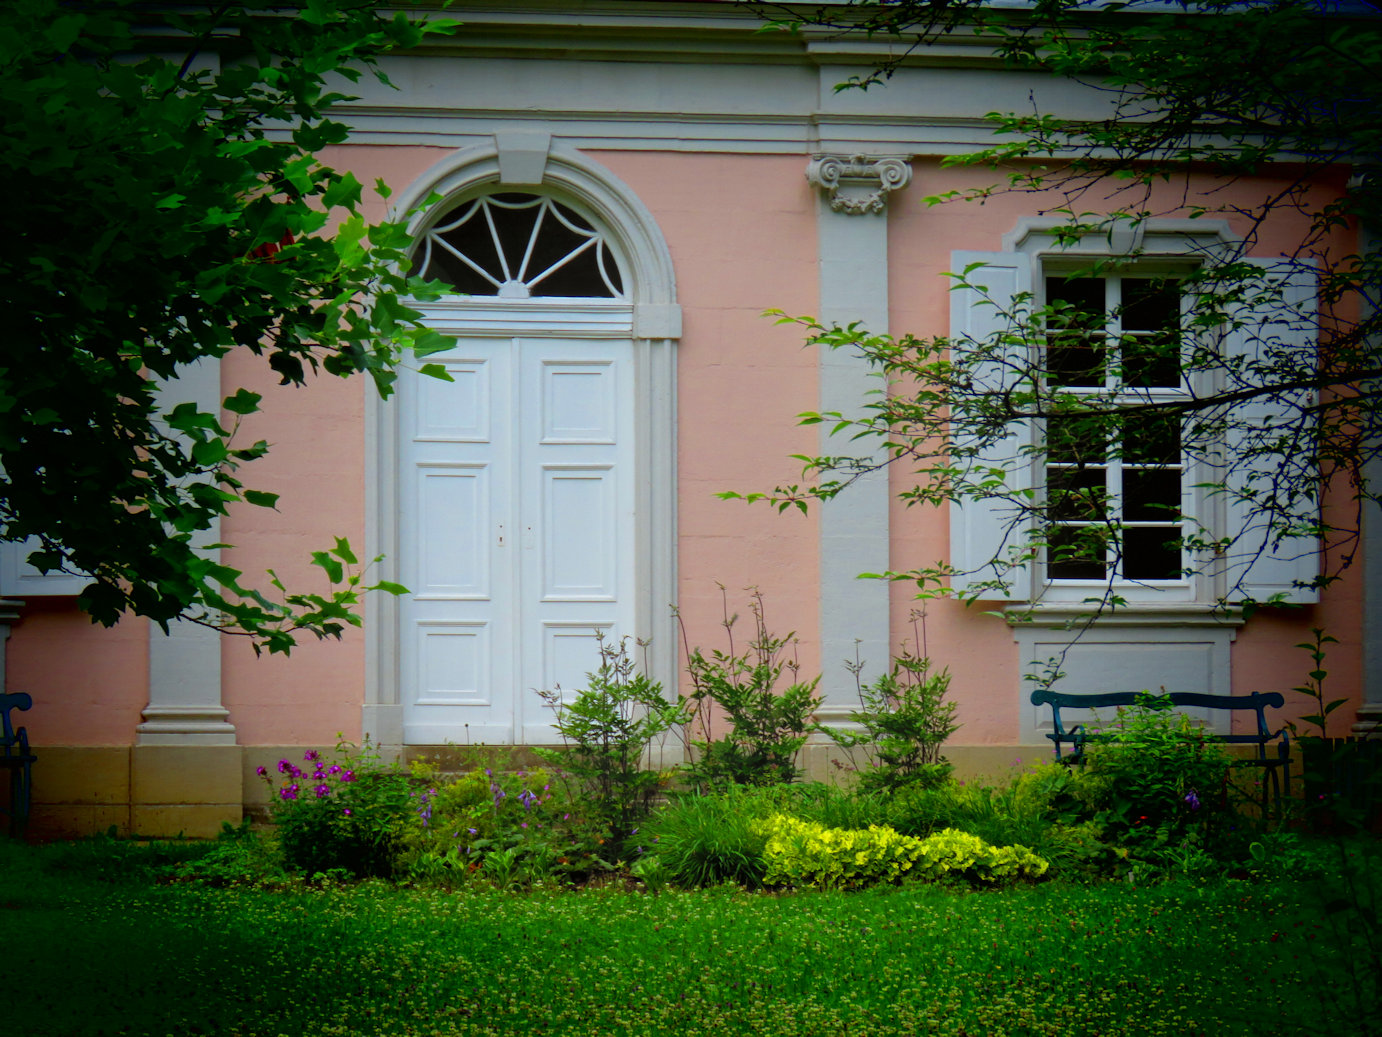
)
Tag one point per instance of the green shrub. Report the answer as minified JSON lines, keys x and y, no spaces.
{"x":105,"y":858}
{"x":768,"y":725}
{"x":905,"y":720}
{"x":511,"y":827}
{"x":1157,"y":780}
{"x":238,"y":857}
{"x":1043,"y":808}
{"x":803,"y":853}
{"x":608,"y":729}
{"x":346,"y":816}
{"x":833,"y":806}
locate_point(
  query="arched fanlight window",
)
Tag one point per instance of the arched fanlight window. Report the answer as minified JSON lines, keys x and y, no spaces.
{"x":520,"y":246}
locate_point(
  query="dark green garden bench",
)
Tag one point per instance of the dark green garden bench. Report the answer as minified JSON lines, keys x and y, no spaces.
{"x":1276,"y":767}
{"x":16,"y":758}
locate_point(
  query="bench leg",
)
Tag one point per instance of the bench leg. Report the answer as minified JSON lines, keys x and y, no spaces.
{"x":21,"y":798}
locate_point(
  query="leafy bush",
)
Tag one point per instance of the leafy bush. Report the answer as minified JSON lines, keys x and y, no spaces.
{"x":1156,"y":779}
{"x":767,"y":725}
{"x":1041,"y":808}
{"x":905,"y":721}
{"x":608,"y":729}
{"x":239,"y":856}
{"x":106,"y":858}
{"x":803,"y":853}
{"x":346,"y":816}
{"x":507,"y":827}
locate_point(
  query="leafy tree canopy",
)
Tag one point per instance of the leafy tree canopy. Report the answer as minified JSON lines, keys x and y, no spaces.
{"x":166,"y":207}
{"x":1201,"y":94}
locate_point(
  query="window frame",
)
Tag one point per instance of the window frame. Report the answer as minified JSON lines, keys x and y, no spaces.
{"x":990,"y":558}
{"x":1194,"y":505}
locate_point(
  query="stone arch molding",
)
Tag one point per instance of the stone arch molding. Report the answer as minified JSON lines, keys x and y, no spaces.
{"x":528,"y":160}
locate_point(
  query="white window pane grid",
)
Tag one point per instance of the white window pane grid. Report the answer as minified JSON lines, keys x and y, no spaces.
{"x":1134,"y":484}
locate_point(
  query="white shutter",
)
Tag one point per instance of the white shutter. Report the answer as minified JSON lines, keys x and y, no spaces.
{"x":1254,"y":565}
{"x":19,"y":579}
{"x":984,"y":530}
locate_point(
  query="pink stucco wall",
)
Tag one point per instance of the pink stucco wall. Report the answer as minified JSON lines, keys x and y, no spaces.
{"x":979,"y":649}
{"x":742,"y":232}
{"x":89,"y":684}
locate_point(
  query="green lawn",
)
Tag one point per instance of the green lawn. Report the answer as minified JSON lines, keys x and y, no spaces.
{"x":87,"y":957}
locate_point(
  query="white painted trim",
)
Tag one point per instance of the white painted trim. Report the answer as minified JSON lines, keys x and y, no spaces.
{"x":1128,"y":652}
{"x":650,"y":316}
{"x":854,"y":614}
{"x":184,"y":706}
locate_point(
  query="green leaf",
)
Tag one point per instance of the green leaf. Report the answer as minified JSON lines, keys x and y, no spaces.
{"x":242,"y":402}
{"x":261,"y":499}
{"x":437,"y":371}
{"x":335,"y":572}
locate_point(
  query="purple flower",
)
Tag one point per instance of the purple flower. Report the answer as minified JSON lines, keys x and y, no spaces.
{"x":284,"y":766}
{"x":346,"y":811}
{"x":288,"y":792}
{"x":1192,"y":800}
{"x":311,"y":754}
{"x":335,"y":768}
{"x":322,"y":791}
{"x":347,"y":777}
{"x":473,"y":831}
{"x":263,"y":772}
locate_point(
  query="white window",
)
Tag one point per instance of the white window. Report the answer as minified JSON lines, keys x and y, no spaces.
{"x":1117,"y":504}
{"x":1128,"y":512}
{"x":520,"y":246}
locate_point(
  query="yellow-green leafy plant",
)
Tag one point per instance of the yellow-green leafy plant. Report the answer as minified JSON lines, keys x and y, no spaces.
{"x":803,"y":853}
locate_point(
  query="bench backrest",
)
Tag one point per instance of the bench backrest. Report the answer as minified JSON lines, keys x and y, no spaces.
{"x":11,"y":739}
{"x":1258,"y":701}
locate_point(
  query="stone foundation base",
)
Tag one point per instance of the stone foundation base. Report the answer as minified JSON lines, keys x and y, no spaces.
{"x":164,"y":791}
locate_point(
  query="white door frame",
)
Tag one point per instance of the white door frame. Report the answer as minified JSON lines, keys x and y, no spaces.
{"x":649,"y":317}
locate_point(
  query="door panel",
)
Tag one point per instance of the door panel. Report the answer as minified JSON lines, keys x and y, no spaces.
{"x":516,"y":532}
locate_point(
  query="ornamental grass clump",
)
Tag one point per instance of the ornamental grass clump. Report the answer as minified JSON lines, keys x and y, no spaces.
{"x":803,"y":853}
{"x":708,"y":840}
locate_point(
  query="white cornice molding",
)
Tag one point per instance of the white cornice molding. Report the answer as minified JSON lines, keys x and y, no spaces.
{"x":858,"y":184}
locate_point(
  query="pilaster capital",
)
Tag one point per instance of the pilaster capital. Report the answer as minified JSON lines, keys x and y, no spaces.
{"x":858,"y":184}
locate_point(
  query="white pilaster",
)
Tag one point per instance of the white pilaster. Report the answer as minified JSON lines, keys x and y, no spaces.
{"x":185,"y":663}
{"x":853,"y":233}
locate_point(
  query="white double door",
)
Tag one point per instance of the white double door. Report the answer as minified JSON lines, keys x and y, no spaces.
{"x":516,"y":531}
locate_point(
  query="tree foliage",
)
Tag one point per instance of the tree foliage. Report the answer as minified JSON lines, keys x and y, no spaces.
{"x":1280,"y":97}
{"x":166,"y":208}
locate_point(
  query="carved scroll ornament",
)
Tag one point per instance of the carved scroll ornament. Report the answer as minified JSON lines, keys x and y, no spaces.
{"x":858,"y":184}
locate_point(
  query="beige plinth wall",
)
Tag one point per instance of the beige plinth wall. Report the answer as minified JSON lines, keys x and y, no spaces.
{"x":142,"y":790}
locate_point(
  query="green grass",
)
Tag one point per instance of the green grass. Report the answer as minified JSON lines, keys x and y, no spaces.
{"x":113,"y":955}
